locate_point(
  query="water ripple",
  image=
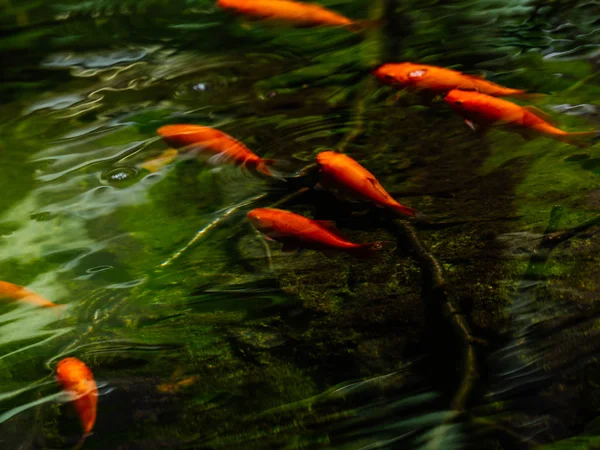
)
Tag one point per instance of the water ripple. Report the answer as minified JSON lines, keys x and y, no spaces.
{"x":97,"y":59}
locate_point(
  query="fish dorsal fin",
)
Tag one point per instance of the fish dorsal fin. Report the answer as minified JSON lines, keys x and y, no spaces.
{"x":541,"y":114}
{"x":329,"y":225}
{"x":378,"y":186}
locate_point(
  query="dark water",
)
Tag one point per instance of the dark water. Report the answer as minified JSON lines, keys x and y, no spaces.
{"x":199,"y":333}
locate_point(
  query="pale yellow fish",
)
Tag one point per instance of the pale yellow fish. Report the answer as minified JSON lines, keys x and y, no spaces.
{"x":165,"y":158}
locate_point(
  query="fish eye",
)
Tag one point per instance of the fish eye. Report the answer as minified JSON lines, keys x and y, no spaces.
{"x":377,"y":245}
{"x":389,"y":77}
{"x":458,"y":102}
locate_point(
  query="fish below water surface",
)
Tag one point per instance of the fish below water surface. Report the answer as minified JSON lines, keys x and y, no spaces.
{"x":298,"y":232}
{"x":484,"y":110}
{"x":224,"y":147}
{"x":12,"y":292}
{"x":342,"y":173}
{"x":76,"y":378}
{"x":439,"y":80}
{"x":291,"y":12}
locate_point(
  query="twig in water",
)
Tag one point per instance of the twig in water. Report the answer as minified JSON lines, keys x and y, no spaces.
{"x":265,"y":244}
{"x":216,"y":222}
{"x":228,"y":213}
{"x":436,"y":302}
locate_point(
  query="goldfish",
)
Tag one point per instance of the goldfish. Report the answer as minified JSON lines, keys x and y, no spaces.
{"x":298,"y":232}
{"x":19,"y":293}
{"x":340,"y":172}
{"x":485,"y":110}
{"x":177,"y":383}
{"x":296,"y":13}
{"x":165,"y":158}
{"x":77,"y":379}
{"x":210,"y":139}
{"x":439,"y":80}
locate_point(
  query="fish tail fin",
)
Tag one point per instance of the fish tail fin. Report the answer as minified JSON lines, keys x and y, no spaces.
{"x":580,"y":139}
{"x":361,"y":26}
{"x":60,"y":310}
{"x":39,"y":301}
{"x":265,"y":166}
{"x":370,"y":250}
{"x":404,"y":210}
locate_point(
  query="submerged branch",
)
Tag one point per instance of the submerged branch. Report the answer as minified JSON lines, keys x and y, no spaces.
{"x":437,"y":303}
{"x":228,"y":213}
{"x":298,"y":184}
{"x":552,"y":237}
{"x":214,"y":224}
{"x":549,"y":242}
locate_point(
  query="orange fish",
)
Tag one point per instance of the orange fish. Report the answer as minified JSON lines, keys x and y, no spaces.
{"x":486,"y":110}
{"x":340,"y":172}
{"x":77,"y":379}
{"x":296,"y":232}
{"x":296,"y":13}
{"x":19,"y":293}
{"x":440,"y":81}
{"x":195,"y":137}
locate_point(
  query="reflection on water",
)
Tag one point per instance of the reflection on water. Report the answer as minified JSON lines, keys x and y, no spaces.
{"x":203,"y":335}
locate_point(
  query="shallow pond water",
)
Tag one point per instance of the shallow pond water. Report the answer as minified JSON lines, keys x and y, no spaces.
{"x":477,"y":329}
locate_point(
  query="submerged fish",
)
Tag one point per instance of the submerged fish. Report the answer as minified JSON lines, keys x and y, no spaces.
{"x":165,"y":158}
{"x":439,"y":80}
{"x":225,"y":148}
{"x":295,"y":13}
{"x":77,"y":379}
{"x":298,"y":232}
{"x":485,"y":110}
{"x":12,"y":292}
{"x":174,"y":386}
{"x":342,"y":173}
